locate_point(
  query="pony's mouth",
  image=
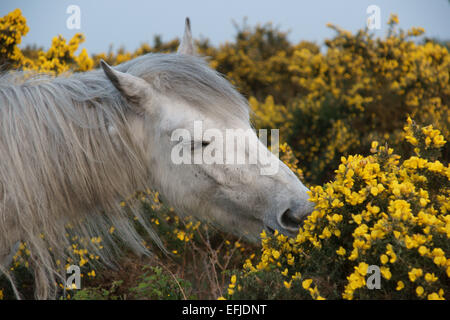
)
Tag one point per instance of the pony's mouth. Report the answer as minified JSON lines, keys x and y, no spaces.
{"x":270,"y":231}
{"x":287,"y":225}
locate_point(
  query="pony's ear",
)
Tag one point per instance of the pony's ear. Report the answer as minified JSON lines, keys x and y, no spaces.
{"x":187,"y":44}
{"x":132,"y":88}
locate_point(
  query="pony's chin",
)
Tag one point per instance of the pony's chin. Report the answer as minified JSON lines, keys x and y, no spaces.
{"x":253,"y":235}
{"x":248,"y":230}
{"x":252,"y":238}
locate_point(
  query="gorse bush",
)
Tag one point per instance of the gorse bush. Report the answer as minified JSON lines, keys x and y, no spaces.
{"x":361,"y":90}
{"x":13,"y":27}
{"x":58,"y":59}
{"x":379,"y":210}
{"x":342,"y":108}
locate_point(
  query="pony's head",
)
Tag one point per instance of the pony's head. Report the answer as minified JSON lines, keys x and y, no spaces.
{"x":189,"y":121}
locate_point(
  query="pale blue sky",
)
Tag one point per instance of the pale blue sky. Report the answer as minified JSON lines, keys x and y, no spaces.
{"x":132,"y":22}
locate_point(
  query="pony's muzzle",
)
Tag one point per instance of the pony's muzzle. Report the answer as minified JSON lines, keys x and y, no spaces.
{"x":292,"y":218}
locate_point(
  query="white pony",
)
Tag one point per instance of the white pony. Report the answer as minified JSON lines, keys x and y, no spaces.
{"x":71,"y":147}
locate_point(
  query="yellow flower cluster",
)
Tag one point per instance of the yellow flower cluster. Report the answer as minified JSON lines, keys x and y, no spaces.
{"x":21,"y":257}
{"x":58,"y":59}
{"x":425,"y":138}
{"x":379,"y":211}
{"x":232,"y":285}
{"x":61,"y":57}
{"x":288,"y":157}
{"x":77,"y":254}
{"x":13,"y":27}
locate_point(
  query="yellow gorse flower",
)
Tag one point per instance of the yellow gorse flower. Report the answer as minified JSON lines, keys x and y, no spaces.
{"x":404,"y":216}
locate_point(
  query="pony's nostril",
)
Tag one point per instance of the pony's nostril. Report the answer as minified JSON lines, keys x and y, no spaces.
{"x":290,"y":221}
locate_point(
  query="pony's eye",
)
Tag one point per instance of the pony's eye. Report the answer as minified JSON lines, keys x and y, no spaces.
{"x":204,"y":144}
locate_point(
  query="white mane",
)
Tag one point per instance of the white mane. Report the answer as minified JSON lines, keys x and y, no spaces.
{"x":60,"y":164}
